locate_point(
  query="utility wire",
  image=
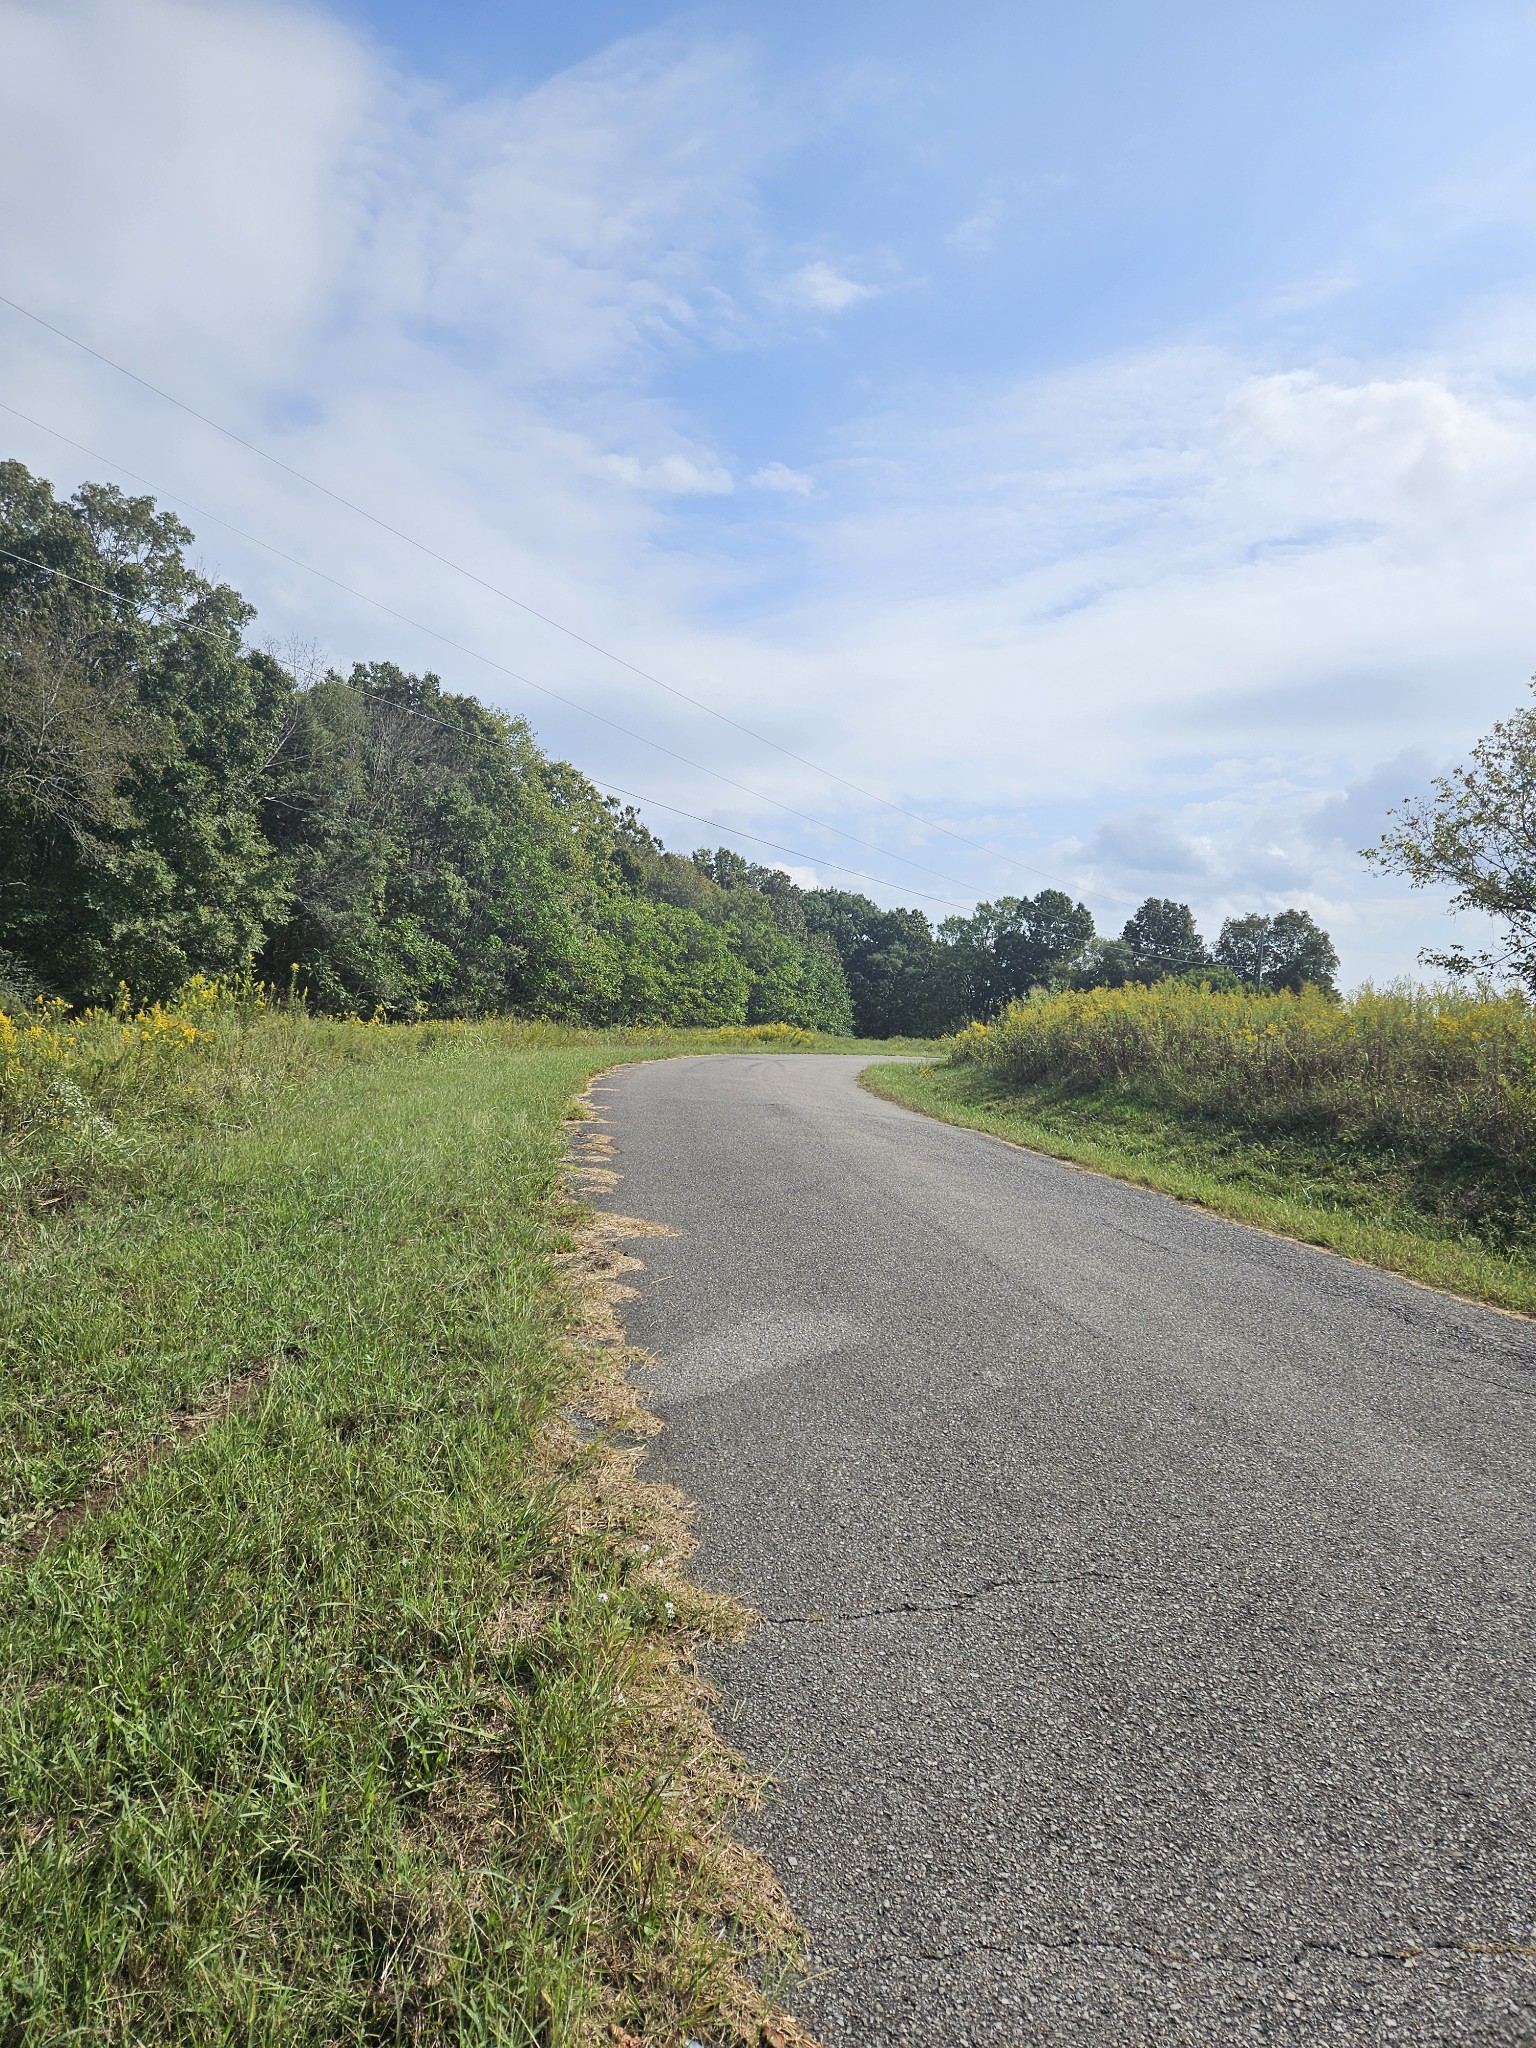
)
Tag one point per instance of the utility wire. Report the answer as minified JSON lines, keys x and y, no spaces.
{"x":532,"y":611}
{"x":409,"y":711}
{"x":799,"y":853}
{"x":759,"y":796}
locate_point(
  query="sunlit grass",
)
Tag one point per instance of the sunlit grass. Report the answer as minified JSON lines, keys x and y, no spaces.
{"x":360,"y":1715}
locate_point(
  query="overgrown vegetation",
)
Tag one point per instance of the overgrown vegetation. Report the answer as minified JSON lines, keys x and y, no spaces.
{"x":344,"y":1660}
{"x":1398,"y":1126}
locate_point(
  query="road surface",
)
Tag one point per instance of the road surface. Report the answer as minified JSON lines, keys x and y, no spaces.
{"x":1148,"y":1652}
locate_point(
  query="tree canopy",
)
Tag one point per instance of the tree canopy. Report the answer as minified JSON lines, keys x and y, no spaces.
{"x":1289,"y":950}
{"x":174,"y":800}
{"x":1019,"y":943}
{"x":1476,"y":834}
{"x":1161,"y":939}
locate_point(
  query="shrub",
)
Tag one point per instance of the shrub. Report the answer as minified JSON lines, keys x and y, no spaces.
{"x":765,"y":1034}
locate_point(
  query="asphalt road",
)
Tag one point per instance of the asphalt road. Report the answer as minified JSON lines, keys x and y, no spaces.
{"x":1148,"y":1651}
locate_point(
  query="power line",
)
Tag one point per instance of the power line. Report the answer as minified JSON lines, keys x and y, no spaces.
{"x":410,"y":711}
{"x":532,"y":611}
{"x":758,"y":840}
{"x":572,"y":703}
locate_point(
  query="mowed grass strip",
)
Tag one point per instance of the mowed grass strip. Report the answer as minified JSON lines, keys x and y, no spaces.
{"x":1347,"y":1199}
{"x":351,"y":1719}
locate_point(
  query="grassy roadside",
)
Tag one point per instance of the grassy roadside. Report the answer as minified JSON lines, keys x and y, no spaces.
{"x":1351,"y":1202}
{"x":363,"y":1713}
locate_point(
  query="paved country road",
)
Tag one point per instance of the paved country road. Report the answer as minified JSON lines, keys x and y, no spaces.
{"x":1149,"y":1647}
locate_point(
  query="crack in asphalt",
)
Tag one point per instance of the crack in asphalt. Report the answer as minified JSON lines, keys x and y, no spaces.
{"x":1225,"y":1958}
{"x":1236,"y":1535}
{"x":956,"y":1604}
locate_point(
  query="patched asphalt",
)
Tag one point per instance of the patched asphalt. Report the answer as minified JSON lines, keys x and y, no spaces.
{"x":1148,"y":1639}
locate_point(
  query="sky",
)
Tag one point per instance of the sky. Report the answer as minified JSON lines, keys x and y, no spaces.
{"x":1085,"y":446}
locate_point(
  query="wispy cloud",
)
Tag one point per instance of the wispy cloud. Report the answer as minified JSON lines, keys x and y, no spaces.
{"x":681,"y":476}
{"x":824,"y":289}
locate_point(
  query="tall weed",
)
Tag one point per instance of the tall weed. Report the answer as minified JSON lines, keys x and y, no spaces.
{"x":84,"y":1093}
{"x":1445,"y":1077}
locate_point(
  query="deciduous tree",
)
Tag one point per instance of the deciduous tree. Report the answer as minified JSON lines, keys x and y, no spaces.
{"x":1162,"y":939}
{"x":1476,"y":834}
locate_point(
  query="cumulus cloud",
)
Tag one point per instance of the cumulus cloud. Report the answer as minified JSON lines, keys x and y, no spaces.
{"x":1355,"y":817}
{"x":776,"y":476}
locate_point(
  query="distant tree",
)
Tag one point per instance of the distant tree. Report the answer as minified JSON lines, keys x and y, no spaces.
{"x":1476,"y":833}
{"x":173,"y":800}
{"x":903,"y":981}
{"x":1163,"y":940}
{"x":669,"y":878}
{"x":731,"y":870}
{"x":797,"y":976}
{"x":1103,"y":963}
{"x":665,"y":966}
{"x":68,"y":730}
{"x":1218,"y":979}
{"x":1019,"y":943}
{"x":1303,"y":953}
{"x":1288,"y":951}
{"x":1244,"y":949}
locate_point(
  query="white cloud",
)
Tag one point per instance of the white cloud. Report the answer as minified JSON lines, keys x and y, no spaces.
{"x":776,"y":476}
{"x":445,"y":309}
{"x":825,"y":290}
{"x":1152,"y":622}
{"x":190,"y":176}
{"x":678,"y":475}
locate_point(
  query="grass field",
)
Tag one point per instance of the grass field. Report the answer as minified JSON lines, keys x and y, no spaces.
{"x":344,"y":1679}
{"x":1368,"y":1202}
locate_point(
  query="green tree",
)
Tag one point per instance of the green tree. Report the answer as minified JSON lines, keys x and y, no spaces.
{"x":665,"y":966}
{"x":436,"y":859}
{"x":902,"y":981}
{"x":136,"y":727}
{"x":1476,"y":834}
{"x":1162,"y":939}
{"x":1019,"y":943}
{"x":1287,"y":951}
{"x":172,"y":800}
{"x":1103,"y":963}
{"x":797,"y":976}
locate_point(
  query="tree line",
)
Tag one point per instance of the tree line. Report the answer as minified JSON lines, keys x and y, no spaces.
{"x":174,"y":800}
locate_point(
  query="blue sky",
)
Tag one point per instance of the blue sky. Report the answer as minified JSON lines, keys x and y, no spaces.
{"x":1108,"y":434}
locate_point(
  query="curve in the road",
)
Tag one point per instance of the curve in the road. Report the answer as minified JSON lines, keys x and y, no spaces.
{"x":1149,"y":1602}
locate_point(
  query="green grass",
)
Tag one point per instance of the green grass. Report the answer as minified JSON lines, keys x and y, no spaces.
{"x":1371,"y":1205}
{"x":362,"y":1715}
